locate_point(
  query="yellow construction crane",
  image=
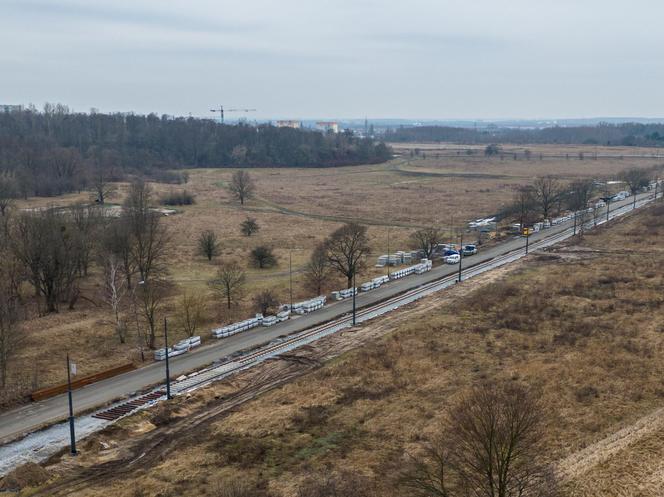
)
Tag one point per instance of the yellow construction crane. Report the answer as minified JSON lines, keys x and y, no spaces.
{"x":221,"y":111}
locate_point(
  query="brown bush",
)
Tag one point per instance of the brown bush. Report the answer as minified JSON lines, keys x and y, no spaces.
{"x":162,"y":414}
{"x":26,"y":475}
{"x":236,"y":487}
{"x":243,"y":450}
{"x":352,"y":394}
{"x":344,"y":484}
{"x":586,"y":394}
{"x":310,"y":417}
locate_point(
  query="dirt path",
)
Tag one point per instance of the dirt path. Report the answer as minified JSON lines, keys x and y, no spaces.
{"x":270,"y":206}
{"x":581,"y":462}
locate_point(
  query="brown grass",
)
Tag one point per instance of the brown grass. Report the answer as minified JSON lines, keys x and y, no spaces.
{"x":296,"y":209}
{"x":584,"y":329}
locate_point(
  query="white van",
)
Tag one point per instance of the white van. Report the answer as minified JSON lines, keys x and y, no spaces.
{"x":453,"y":259}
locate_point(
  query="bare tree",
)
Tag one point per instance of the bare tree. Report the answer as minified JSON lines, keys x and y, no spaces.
{"x":547,"y":190}
{"x":524,"y":205}
{"x":10,"y":334}
{"x":8,"y":192}
{"x":229,"y":282}
{"x":430,"y":473}
{"x":317,"y":270}
{"x":249,"y":226}
{"x":491,"y":445}
{"x":149,"y":238}
{"x":265,"y":301}
{"x":45,"y":242}
{"x":635,"y":179}
{"x":426,"y":240}
{"x":115,"y":288}
{"x":242,"y":185}
{"x":578,"y":197}
{"x":346,"y":248}
{"x":190,"y":312}
{"x":263,"y":257}
{"x":151,"y":295}
{"x":100,"y":186}
{"x":87,"y":221}
{"x":208,"y":245}
{"x":116,"y":239}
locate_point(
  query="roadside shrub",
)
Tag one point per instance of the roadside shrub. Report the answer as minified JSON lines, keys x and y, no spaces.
{"x":162,"y":415}
{"x":266,"y":301}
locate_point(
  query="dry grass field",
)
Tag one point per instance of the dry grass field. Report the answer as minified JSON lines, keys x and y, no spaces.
{"x":296,"y":209}
{"x":584,"y":322}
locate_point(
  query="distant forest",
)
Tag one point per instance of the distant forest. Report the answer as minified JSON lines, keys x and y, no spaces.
{"x":631,"y":134}
{"x":55,"y":151}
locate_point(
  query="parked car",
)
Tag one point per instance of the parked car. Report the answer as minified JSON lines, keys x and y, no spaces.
{"x":469,"y":250}
{"x":452,"y":259}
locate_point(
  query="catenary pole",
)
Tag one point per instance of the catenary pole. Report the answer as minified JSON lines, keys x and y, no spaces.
{"x":354,"y":308}
{"x":168,"y":371}
{"x":460,"y":257}
{"x":72,"y":434}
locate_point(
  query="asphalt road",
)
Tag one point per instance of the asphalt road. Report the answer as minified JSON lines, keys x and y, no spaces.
{"x":37,"y":414}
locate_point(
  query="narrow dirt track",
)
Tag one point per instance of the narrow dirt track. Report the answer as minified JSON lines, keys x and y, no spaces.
{"x":579,"y":463}
{"x":152,"y":447}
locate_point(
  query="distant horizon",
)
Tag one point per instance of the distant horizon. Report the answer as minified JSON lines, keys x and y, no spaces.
{"x":233,"y":117}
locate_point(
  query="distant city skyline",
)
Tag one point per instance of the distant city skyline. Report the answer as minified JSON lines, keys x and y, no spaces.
{"x":344,"y":59}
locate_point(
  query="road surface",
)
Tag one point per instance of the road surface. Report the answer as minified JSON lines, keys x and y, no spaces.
{"x":25,"y":419}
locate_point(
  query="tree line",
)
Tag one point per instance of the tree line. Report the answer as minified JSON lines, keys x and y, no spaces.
{"x":548,"y":196}
{"x":629,"y":134}
{"x":56,"y":151}
{"x":53,"y":251}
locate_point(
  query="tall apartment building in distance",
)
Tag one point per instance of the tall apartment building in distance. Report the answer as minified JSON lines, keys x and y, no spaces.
{"x":289,"y":124}
{"x":328,"y":126}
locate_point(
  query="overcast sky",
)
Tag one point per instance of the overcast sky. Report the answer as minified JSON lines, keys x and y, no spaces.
{"x":338,"y":58}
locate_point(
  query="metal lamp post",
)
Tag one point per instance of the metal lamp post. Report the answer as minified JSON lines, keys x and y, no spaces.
{"x":354,"y":292}
{"x":168,"y":372}
{"x":460,"y":257}
{"x":290,"y":278}
{"x":608,"y":208}
{"x":388,"y":252}
{"x":72,"y":434}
